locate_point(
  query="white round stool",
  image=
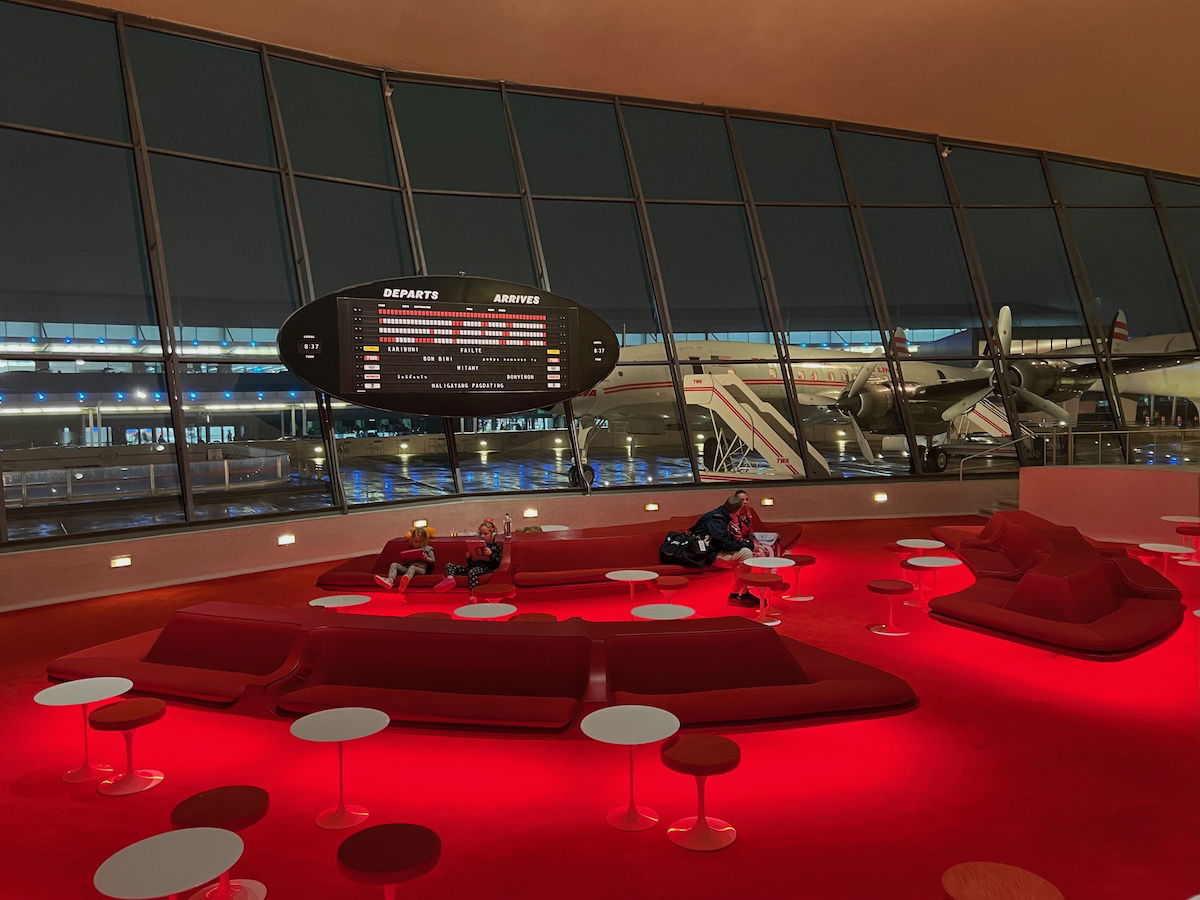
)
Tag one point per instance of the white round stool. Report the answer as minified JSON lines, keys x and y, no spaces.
{"x":485,"y":610}
{"x":663,"y":611}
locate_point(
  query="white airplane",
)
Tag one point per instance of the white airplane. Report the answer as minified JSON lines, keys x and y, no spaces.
{"x":743,"y":404}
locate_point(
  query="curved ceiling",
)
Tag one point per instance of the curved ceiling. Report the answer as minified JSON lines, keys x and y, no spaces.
{"x":1107,"y":79}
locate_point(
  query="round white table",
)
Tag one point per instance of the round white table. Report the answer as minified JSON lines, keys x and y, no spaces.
{"x":663,"y":611}
{"x":766,"y":612}
{"x":485,"y":610}
{"x":168,"y":864}
{"x":1166,"y":550}
{"x":919,"y":544}
{"x":82,"y":692}
{"x":1186,"y":520}
{"x":346,"y":723}
{"x":632,"y":576}
{"x":1182,"y":520}
{"x":932,"y":563}
{"x":630,"y":726}
{"x":338,"y":601}
{"x":555,"y":527}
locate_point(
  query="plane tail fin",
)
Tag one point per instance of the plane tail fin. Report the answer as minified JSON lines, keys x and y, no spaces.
{"x":899,"y":345}
{"x":1118,"y":332}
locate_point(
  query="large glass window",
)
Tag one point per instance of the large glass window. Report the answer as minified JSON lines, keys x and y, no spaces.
{"x":1128,"y":269}
{"x":87,"y":447}
{"x":924,"y":276}
{"x":1186,"y":225}
{"x":1178,"y":193}
{"x":387,"y":456}
{"x":524,"y":451}
{"x":681,"y":155}
{"x":354,"y":234}
{"x":818,"y":275}
{"x":709,"y":270}
{"x":1026,"y":269}
{"x":482,"y":236}
{"x":893,"y":170}
{"x":1088,"y":185}
{"x":61,"y":72}
{"x":454,"y":138}
{"x":335,"y":122}
{"x":594,"y":255}
{"x":985,"y":177}
{"x":73,"y":264}
{"x":227,"y":251}
{"x":789,"y":163}
{"x":254,"y":443}
{"x":201,"y":98}
{"x":570,"y":147}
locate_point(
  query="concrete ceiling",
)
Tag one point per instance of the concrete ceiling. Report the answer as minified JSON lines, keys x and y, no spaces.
{"x":1111,"y":79}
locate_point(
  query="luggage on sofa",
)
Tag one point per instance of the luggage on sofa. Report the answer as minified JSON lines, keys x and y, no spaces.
{"x":683,"y":549}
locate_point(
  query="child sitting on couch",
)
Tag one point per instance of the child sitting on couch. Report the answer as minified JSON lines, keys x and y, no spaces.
{"x":418,"y":560}
{"x":476,"y":566}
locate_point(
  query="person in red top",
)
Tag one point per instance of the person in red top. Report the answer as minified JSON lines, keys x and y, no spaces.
{"x":742,"y":519}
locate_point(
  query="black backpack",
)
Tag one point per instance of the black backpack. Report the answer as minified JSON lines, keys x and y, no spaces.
{"x":683,"y":549}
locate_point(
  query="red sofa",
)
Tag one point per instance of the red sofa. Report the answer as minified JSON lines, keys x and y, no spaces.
{"x":212,"y":653}
{"x":576,"y":556}
{"x":748,"y":675}
{"x":986,"y":536}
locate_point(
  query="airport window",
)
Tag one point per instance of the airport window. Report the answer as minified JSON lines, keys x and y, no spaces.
{"x":1186,"y":225}
{"x":708,"y":269}
{"x":984,"y":177}
{"x":1128,"y":269}
{"x":594,"y":255}
{"x":388,"y":456}
{"x":454,"y":138}
{"x":227,"y":251}
{"x":72,"y":249}
{"x":61,"y":72}
{"x":1178,"y":193}
{"x":681,"y":155}
{"x":924,"y":275}
{"x":481,"y":236}
{"x":354,"y":234}
{"x":1025,"y":267}
{"x":523,"y":451}
{"x":335,"y":122}
{"x":789,"y":163}
{"x":90,"y":451}
{"x":570,"y":147}
{"x":893,"y":170}
{"x":1091,"y":186}
{"x":201,"y":98}
{"x":818,"y":273}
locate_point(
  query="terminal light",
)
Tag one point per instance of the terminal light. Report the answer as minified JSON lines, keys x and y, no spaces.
{"x":404,"y":446}
{"x":119,"y":562}
{"x":767,"y":501}
{"x":880,"y":497}
{"x":651,"y":507}
{"x":530,"y":513}
{"x":284,"y":539}
{"x":483,"y":443}
{"x":420,"y":523}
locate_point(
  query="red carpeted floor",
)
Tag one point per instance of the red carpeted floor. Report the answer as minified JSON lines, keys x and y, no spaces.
{"x":1084,"y":772}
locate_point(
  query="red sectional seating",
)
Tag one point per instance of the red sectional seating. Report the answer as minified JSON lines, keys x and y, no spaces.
{"x":213,"y":652}
{"x":748,"y":675}
{"x":578,"y":556}
{"x":985,"y":536}
{"x":1062,"y":593}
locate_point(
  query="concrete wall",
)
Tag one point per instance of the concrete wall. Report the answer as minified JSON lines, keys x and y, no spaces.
{"x":38,"y":577}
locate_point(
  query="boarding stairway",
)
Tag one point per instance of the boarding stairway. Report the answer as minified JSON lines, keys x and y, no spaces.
{"x":756,"y":424}
{"x":988,"y":417}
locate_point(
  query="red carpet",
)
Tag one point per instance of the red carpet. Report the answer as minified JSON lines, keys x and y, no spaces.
{"x":1084,"y":772}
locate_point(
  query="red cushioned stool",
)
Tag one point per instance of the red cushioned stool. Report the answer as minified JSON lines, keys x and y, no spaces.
{"x":762,"y":582}
{"x":492,"y":593}
{"x":802,"y":560}
{"x":701,"y":755}
{"x":669,"y":584}
{"x":233,"y":808}
{"x":389,"y":854}
{"x":533,"y":617}
{"x":892,"y":588}
{"x":430,"y":615}
{"x":126,"y":716}
{"x":995,"y":881}
{"x":1192,"y":530}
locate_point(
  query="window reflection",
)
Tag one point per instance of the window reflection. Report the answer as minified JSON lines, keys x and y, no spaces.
{"x":524,"y":451}
{"x":386,"y":456}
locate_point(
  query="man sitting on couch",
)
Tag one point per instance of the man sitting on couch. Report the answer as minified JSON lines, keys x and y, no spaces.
{"x":733,"y":547}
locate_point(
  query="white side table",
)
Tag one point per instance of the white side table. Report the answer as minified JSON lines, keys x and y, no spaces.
{"x":772,"y":564}
{"x":555,"y":527}
{"x":339,"y":601}
{"x":346,"y":723}
{"x":485,"y":610}
{"x":1166,"y":550}
{"x":632,"y":576}
{"x":1182,"y":520}
{"x":1188,"y":560}
{"x":630,"y":726}
{"x":919,"y":544}
{"x":662,"y":611}
{"x":168,"y":864}
{"x":932,"y":563}
{"x":81,"y":693}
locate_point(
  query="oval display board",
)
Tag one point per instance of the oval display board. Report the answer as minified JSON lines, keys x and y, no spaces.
{"x":443,"y":345}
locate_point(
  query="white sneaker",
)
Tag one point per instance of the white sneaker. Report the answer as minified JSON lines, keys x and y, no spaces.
{"x":383,"y":581}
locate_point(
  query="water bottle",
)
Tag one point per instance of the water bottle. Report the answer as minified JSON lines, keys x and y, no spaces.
{"x":507,"y":526}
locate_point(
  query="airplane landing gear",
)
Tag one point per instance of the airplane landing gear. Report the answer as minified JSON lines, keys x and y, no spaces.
{"x":575,"y":479}
{"x":936,"y":459}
